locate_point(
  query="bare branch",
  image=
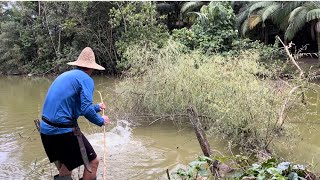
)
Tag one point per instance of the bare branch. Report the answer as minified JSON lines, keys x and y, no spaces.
{"x":286,"y":48}
{"x":284,"y":106}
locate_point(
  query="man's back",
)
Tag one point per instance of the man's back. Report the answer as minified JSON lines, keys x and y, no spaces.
{"x":62,"y":103}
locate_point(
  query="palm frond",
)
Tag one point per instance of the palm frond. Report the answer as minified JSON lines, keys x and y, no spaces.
{"x":283,"y":12}
{"x":244,"y":27}
{"x":202,"y":18}
{"x":312,"y":5}
{"x":291,"y":5}
{"x":284,"y":24}
{"x":295,"y":12}
{"x":313,"y":14}
{"x":259,"y":5}
{"x":254,"y":20}
{"x":242,"y":17}
{"x":268,"y":11}
{"x":296,"y":24}
{"x":246,"y":6}
{"x":189,"y":6}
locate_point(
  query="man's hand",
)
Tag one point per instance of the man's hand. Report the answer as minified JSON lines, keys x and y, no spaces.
{"x":102,"y":106}
{"x":106,"y":120}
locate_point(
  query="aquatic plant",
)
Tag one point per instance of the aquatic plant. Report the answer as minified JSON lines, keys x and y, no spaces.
{"x":268,"y":169}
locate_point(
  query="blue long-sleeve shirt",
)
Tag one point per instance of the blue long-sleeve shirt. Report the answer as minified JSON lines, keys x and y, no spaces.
{"x":69,"y":96}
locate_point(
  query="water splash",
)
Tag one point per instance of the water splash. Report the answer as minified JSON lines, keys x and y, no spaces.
{"x":128,"y":157}
{"x":118,"y":136}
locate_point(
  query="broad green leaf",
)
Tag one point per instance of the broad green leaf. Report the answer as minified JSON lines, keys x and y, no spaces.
{"x":293,"y":176}
{"x":313,"y":14}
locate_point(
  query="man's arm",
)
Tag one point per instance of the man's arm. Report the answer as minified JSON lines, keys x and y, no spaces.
{"x":87,"y":108}
{"x":98,"y":107}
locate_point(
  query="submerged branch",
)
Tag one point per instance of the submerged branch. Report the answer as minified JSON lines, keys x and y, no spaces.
{"x":284,"y":107}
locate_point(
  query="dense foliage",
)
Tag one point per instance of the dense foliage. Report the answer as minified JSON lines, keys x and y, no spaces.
{"x":136,"y":23}
{"x":243,"y":169}
{"x":215,"y":32}
{"x":40,"y":37}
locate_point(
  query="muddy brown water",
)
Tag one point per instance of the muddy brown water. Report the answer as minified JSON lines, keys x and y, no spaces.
{"x":133,"y":152}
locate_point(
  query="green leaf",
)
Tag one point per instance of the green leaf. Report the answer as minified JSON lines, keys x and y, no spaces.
{"x":234,"y":174}
{"x":274,"y":171}
{"x":313,"y":14}
{"x":259,"y":5}
{"x":293,"y":176}
{"x":283,"y":166}
{"x":296,"y":24}
{"x":197,"y":163}
{"x":189,"y":6}
{"x":242,"y":17}
{"x":282,"y":14}
{"x":295,"y":13}
{"x":244,"y":27}
{"x":203,"y":172}
{"x":261,"y":177}
{"x":268,"y":11}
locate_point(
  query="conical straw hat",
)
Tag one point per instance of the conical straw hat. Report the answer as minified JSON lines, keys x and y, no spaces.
{"x":87,"y":59}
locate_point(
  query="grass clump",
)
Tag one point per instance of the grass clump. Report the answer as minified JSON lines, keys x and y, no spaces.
{"x":226,"y":91}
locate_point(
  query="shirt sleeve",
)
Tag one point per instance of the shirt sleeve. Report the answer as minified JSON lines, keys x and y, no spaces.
{"x":97,"y":108}
{"x":87,"y":108}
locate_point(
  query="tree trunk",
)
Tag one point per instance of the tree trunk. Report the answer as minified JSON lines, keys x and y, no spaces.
{"x":265,"y":35}
{"x":201,"y":136}
{"x":318,"y":41}
{"x":39,"y":2}
{"x":317,"y":29}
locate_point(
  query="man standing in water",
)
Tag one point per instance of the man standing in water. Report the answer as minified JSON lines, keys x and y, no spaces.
{"x":70,"y":96}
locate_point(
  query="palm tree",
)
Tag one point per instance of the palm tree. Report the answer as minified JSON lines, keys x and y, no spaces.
{"x":308,"y":12}
{"x":290,"y":17}
{"x":187,"y":9}
{"x":256,"y":13}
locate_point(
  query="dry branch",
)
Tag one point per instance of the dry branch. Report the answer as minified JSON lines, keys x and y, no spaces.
{"x":286,"y":48}
{"x":284,"y":106}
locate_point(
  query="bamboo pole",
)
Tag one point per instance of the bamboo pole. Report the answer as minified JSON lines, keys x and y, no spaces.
{"x":104,"y":143}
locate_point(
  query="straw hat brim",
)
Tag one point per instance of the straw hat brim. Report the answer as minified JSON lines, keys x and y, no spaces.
{"x":91,"y":65}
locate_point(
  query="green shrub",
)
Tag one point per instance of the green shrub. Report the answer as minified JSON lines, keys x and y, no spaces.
{"x":238,"y":105}
{"x":213,"y":31}
{"x":136,"y":22}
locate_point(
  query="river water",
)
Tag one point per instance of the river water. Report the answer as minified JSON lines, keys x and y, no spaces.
{"x":133,"y":151}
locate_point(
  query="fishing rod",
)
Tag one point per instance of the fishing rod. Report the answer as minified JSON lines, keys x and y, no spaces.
{"x":104,"y":142}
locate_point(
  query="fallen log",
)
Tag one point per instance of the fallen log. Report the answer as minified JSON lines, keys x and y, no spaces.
{"x":204,"y":144}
